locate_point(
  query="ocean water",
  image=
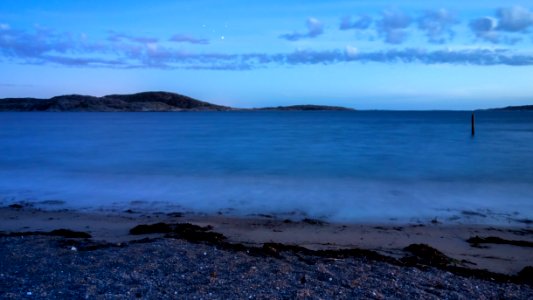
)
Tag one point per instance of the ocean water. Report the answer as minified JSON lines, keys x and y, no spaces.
{"x":349,"y":166}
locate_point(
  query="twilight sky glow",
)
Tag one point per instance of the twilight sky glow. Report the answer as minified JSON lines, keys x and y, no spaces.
{"x":363,"y":54}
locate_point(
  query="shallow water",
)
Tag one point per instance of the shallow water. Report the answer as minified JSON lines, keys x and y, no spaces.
{"x":341,"y":166}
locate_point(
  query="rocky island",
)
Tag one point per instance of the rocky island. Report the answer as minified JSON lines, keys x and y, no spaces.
{"x":515,"y":108}
{"x":147,"y":101}
{"x":139,"y":102}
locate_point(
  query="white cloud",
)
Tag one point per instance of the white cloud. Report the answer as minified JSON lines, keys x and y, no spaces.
{"x":351,"y":51}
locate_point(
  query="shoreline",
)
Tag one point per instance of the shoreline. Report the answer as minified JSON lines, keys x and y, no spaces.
{"x":499,"y":256}
{"x":74,"y":254}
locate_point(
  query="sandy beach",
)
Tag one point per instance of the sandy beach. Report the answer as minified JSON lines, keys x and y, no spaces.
{"x":266,"y":149}
{"x":495,"y":257}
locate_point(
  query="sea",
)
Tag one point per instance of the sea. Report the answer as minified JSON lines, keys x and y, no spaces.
{"x":337,"y":166}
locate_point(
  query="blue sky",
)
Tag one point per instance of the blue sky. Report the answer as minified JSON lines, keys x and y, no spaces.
{"x":362,"y":54}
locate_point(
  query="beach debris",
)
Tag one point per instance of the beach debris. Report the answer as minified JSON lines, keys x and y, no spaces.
{"x":28,"y":293}
{"x":185,"y":231}
{"x":422,"y":254}
{"x":314,"y":222}
{"x":521,"y":232}
{"x":526,"y":275}
{"x":473,"y":213}
{"x":175,"y":214}
{"x":67,"y":233}
{"x":476,"y":241}
{"x":299,"y":277}
{"x":196,"y":234}
{"x":73,"y":248}
{"x":417,"y":225}
{"x":265,"y":216}
{"x":130,"y":272}
{"x":16,"y":206}
{"x":149,"y":229}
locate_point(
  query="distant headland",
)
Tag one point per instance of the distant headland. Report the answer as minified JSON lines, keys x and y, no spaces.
{"x":515,"y":108}
{"x":305,"y":107}
{"x":139,"y":102}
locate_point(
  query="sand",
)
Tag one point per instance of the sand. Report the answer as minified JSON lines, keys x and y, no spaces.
{"x":386,"y":239}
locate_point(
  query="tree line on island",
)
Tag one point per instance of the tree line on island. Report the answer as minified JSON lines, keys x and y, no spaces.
{"x":140,"y":102}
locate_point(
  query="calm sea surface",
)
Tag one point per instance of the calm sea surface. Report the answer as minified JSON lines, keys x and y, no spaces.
{"x":342,"y":166}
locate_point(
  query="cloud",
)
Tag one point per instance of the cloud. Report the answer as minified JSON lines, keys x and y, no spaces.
{"x":180,"y":38}
{"x":437,"y":24}
{"x":314,"y":29}
{"x":484,"y":28}
{"x":351,"y":52}
{"x":480,"y":57}
{"x":17,"y":43}
{"x":514,"y":19}
{"x":83,"y":61}
{"x":44,"y":46}
{"x":508,"y":25}
{"x":361,"y":22}
{"x":118,"y":37}
{"x":223,"y":67}
{"x":392,"y":26}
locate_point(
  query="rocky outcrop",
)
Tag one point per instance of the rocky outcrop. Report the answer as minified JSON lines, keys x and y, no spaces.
{"x":147,"y":101}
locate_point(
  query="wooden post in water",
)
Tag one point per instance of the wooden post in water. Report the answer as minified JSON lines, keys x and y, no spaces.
{"x":473,"y":124}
